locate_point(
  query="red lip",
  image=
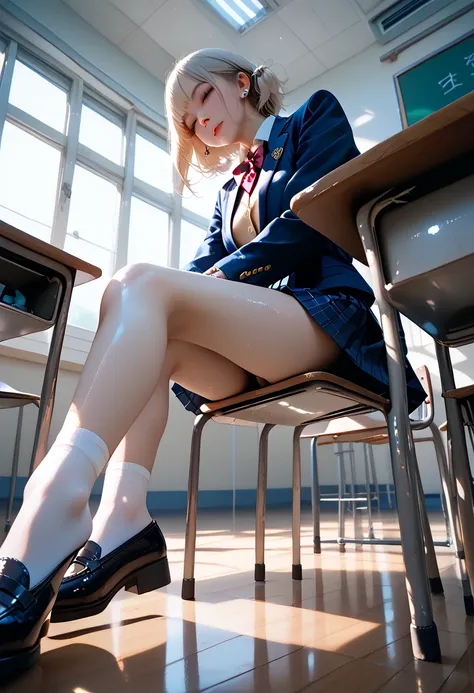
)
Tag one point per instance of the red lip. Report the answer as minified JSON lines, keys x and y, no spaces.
{"x":216,"y":130}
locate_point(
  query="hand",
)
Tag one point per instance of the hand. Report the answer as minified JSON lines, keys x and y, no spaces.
{"x":216,"y":273}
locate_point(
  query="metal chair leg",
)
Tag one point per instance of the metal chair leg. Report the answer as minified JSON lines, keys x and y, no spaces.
{"x":434,"y":578}
{"x":188,"y":585}
{"x":459,"y":459}
{"x":261,"y":504}
{"x":368,"y":492}
{"x":452,"y":516}
{"x":14,"y":474}
{"x":297,"y":570}
{"x":374,"y":477}
{"x":315,"y":497}
{"x":341,"y":502}
{"x":353,"y":478}
{"x":354,"y":505}
{"x":445,"y":484}
{"x":388,"y":486}
{"x":48,"y":390}
{"x":424,"y":635}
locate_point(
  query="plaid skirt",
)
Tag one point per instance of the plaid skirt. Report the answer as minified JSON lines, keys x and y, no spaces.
{"x":350,"y":321}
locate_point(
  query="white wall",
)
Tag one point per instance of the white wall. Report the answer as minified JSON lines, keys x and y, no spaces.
{"x":362,"y":84}
{"x":64,"y":23}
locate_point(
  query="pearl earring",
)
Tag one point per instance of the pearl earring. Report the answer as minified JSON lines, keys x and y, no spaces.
{"x":244,"y":94}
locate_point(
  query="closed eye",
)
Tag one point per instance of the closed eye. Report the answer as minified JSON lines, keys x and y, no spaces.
{"x":205,"y":94}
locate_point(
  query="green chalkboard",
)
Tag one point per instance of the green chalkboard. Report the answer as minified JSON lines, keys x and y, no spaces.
{"x":436,"y":81}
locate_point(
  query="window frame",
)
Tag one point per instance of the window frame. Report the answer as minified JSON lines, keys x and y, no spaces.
{"x":82,"y":87}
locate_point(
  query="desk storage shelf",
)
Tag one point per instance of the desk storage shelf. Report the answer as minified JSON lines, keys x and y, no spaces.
{"x":41,"y":286}
{"x":428,"y":250}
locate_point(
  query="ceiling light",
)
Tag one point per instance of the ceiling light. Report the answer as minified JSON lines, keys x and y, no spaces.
{"x":240,"y":14}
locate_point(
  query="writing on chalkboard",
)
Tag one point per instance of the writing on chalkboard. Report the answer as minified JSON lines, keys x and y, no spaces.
{"x":437,"y":80}
{"x":451,"y":81}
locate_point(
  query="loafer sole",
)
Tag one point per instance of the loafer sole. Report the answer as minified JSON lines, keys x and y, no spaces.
{"x":147,"y":579}
{"x":15,"y":664}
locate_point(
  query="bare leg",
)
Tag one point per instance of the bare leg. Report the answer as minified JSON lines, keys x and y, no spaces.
{"x":262,"y":331}
{"x":123,"y":510}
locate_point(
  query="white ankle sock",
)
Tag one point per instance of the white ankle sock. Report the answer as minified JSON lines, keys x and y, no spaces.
{"x":54,"y":519}
{"x":122,"y":511}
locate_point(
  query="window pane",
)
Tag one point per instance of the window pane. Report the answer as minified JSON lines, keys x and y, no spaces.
{"x":204,"y":200}
{"x":29,"y":171}
{"x":101,"y":135}
{"x":39,"y":97}
{"x":190,"y":240}
{"x":153,"y":164}
{"x":85,"y":303}
{"x":93,"y":214}
{"x":92,"y":235}
{"x":148,"y":236}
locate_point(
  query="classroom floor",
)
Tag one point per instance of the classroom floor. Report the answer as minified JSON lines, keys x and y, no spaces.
{"x":345,"y":627}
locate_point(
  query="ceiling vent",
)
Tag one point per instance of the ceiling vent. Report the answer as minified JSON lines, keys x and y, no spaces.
{"x":402,"y":16}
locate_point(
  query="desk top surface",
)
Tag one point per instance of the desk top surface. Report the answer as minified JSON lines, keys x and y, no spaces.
{"x":85,"y":272}
{"x":331,"y":204}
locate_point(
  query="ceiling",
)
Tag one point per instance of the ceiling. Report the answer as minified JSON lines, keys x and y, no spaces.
{"x":303,"y":39}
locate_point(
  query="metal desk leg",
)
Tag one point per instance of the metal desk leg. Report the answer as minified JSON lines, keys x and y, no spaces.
{"x":459,"y":459}
{"x":297,"y":571}
{"x":315,"y":497}
{"x":261,"y":504}
{"x":14,"y":474}
{"x":424,"y":635}
{"x":50,"y":380}
{"x":187,"y":588}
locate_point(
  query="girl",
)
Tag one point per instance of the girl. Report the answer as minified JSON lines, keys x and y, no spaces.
{"x":213,"y":329}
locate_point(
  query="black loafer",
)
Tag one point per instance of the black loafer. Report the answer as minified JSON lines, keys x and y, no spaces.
{"x":24,"y":614}
{"x":140,"y":565}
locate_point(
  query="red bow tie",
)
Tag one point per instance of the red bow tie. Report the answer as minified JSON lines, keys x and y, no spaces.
{"x":250,"y":168}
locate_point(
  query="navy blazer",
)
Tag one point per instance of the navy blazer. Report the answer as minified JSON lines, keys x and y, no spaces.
{"x":315,"y":139}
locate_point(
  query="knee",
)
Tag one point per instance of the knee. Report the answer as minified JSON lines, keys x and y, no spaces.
{"x":139,"y":274}
{"x":137,"y":278}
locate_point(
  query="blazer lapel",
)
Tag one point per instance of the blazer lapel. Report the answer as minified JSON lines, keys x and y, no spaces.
{"x":276,"y":144}
{"x":229,"y":204}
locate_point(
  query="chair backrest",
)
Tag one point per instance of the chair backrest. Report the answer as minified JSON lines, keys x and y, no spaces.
{"x":358,"y":425}
{"x":357,"y":428}
{"x":427,"y":253}
{"x":424,"y":415}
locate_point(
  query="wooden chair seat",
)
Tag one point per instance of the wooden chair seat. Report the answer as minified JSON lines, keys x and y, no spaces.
{"x":11,"y":398}
{"x":314,"y":396}
{"x":460,"y":392}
